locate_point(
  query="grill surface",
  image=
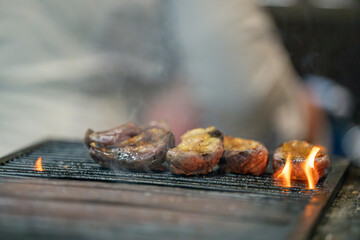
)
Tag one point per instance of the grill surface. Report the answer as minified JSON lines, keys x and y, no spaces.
{"x":237,"y":206}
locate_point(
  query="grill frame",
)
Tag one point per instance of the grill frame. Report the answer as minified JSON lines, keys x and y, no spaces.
{"x":317,"y":200}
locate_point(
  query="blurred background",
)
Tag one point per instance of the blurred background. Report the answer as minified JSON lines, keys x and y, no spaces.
{"x":271,"y":70}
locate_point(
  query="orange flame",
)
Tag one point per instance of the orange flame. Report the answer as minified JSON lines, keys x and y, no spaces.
{"x":37,"y":165}
{"x":285,"y":174}
{"x":309,"y":169}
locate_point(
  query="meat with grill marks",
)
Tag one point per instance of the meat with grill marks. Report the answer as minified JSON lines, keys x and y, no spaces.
{"x":198,"y":153}
{"x":242,"y":156}
{"x":145,"y":152}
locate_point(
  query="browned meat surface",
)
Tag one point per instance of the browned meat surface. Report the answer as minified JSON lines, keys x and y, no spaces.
{"x":144,"y":152}
{"x":199,"y":151}
{"x":299,"y":151}
{"x":244,"y":156}
{"x":112,"y":136}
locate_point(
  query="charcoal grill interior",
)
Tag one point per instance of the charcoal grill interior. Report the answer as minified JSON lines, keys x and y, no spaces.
{"x":75,"y":198}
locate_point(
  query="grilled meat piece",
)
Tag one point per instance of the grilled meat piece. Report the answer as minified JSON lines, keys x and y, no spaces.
{"x":144,"y":152}
{"x":112,"y":136}
{"x":299,"y":151}
{"x":199,"y":151}
{"x":242,"y":156}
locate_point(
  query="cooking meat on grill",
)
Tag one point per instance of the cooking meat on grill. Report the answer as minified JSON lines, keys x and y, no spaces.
{"x":199,"y":151}
{"x":112,"y":136}
{"x":242,"y":156}
{"x":299,"y":151}
{"x":145,"y":152}
{"x":121,"y":133}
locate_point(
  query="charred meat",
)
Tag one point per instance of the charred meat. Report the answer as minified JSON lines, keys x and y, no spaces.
{"x":199,"y":151}
{"x":112,"y":136}
{"x":299,"y":151}
{"x":145,"y":152}
{"x":242,"y":156}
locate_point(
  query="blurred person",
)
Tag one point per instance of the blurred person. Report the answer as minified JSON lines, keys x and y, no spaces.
{"x":239,"y":76}
{"x":69,"y":65}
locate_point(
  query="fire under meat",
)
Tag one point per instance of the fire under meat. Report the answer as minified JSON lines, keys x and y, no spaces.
{"x":309,"y":169}
{"x":38,"y":165}
{"x":304,"y":162}
{"x":285,"y":174}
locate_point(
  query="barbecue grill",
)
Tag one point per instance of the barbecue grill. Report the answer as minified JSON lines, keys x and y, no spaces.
{"x":76,"y":198}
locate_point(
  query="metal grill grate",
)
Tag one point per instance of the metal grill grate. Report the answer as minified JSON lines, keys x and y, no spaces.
{"x":70,"y":160}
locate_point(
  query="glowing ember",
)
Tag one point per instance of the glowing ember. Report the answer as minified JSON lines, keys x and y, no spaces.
{"x":309,"y":169}
{"x":285,"y":174}
{"x":37,"y":165}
